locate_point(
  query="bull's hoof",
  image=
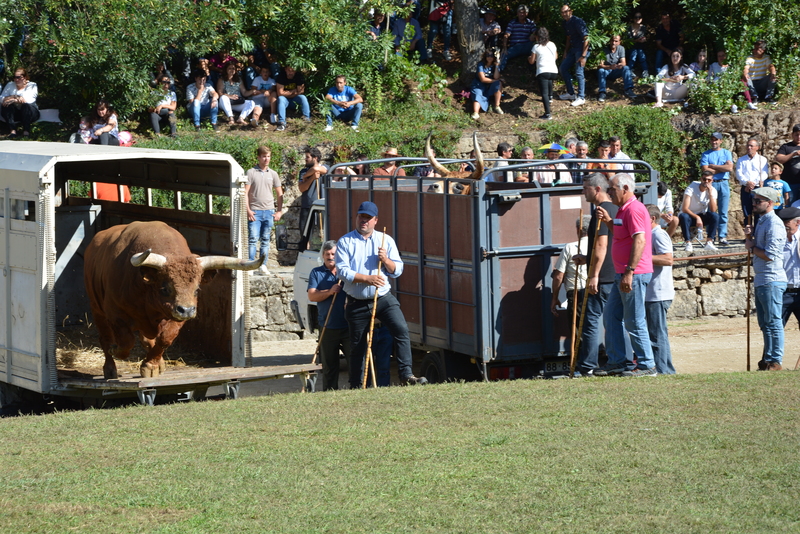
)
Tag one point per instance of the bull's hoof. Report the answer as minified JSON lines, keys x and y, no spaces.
{"x":162,"y":366}
{"x":145,"y":371}
{"x":110,"y":370}
{"x":152,"y":370}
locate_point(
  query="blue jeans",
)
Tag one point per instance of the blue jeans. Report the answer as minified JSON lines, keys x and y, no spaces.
{"x":626,"y":311}
{"x":590,"y":336}
{"x":519,"y":49}
{"x":358,"y":314}
{"x":659,"y":336}
{"x":604,"y":75}
{"x":572,"y":60}
{"x":710,"y":222}
{"x":197,"y":110}
{"x":352,"y":113}
{"x":723,"y":200}
{"x":299,"y":100}
{"x":444,"y":27}
{"x":661,"y":59}
{"x":769,"y":310}
{"x":637,"y":54}
{"x":260,"y":229}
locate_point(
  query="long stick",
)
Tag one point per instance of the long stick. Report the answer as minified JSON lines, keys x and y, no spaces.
{"x":368,"y":363}
{"x":747,"y":308}
{"x":585,"y":298}
{"x":324,"y":327}
{"x":575,"y":297}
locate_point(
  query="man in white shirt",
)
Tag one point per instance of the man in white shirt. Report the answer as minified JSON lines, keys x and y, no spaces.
{"x":791,"y":263}
{"x":700,"y":208}
{"x":751,"y":171}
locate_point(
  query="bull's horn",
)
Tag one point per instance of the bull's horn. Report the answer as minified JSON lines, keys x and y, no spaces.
{"x":148,"y":259}
{"x":209,"y":263}
{"x":476,"y":175}
{"x":435,"y":164}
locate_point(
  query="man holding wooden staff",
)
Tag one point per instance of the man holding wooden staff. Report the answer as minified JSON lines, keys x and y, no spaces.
{"x":767,"y":243}
{"x":325,"y":290}
{"x":358,"y":255}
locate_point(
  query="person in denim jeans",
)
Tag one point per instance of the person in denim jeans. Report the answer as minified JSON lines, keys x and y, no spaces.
{"x":260,"y":204}
{"x":660,"y":294}
{"x":576,"y":51}
{"x":203,"y":100}
{"x":290,"y":86}
{"x":632,"y":254}
{"x":719,"y":160}
{"x":767,"y":243}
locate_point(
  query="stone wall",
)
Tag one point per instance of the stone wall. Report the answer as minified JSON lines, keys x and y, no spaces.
{"x":271,"y":317}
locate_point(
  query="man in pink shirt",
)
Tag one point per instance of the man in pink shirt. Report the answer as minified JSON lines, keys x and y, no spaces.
{"x":632,"y":253}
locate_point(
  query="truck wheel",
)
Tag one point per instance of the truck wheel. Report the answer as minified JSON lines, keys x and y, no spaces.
{"x":433,"y":368}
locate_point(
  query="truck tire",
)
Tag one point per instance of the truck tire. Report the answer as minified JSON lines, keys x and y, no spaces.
{"x":433,"y":368}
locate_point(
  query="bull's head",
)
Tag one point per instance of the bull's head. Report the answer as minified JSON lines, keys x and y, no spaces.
{"x":456,"y":188}
{"x":178,"y":279}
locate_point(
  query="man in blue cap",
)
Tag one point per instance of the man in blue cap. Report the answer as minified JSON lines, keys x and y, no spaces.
{"x":357,"y":257}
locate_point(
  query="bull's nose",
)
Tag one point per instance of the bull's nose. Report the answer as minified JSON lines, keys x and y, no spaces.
{"x":185,"y":312}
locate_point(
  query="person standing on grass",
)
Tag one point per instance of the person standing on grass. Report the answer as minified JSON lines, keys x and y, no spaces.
{"x":576,"y":52}
{"x":358,"y":256}
{"x":544,"y":55}
{"x":632,"y":253}
{"x":791,"y":264}
{"x":601,"y":277}
{"x":260,"y":204}
{"x":325,"y":290}
{"x":565,"y":269}
{"x":719,"y":160}
{"x":660,"y":294}
{"x":751,"y":171}
{"x":767,"y":244}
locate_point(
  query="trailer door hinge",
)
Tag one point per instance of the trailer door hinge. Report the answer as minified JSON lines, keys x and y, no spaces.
{"x":486,"y":254}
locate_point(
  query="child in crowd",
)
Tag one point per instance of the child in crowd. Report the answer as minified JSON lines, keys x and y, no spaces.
{"x":701,"y":64}
{"x":774,"y":181}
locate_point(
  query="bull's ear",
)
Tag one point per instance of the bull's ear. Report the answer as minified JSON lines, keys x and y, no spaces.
{"x":148,"y":274}
{"x":208,"y":276}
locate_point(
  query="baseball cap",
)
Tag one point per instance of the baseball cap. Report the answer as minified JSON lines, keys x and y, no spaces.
{"x":796,"y":128}
{"x":787,"y":214}
{"x":768,"y":193}
{"x":369,"y":208}
{"x":717,"y":135}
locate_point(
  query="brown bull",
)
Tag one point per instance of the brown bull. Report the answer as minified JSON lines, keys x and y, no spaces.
{"x":455,"y":188}
{"x":143,"y":277}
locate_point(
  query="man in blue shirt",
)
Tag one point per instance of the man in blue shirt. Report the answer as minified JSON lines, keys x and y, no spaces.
{"x":575,"y":54}
{"x":324,"y":289}
{"x":346,"y":104}
{"x":767,"y":246}
{"x":357,"y":257}
{"x":791,"y":264}
{"x":720,"y":161}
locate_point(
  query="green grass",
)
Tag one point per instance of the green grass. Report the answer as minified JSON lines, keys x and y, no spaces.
{"x":701,"y":453}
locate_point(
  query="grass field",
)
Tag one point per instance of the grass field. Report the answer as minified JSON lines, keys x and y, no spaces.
{"x":701,"y":453}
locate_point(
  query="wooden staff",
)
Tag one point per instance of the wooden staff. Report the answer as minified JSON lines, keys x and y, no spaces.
{"x":747,"y":307}
{"x":369,"y":364}
{"x":575,"y":297}
{"x":324,"y":327}
{"x":585,"y":299}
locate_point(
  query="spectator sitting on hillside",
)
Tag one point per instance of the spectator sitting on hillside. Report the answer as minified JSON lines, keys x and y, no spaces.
{"x":440,"y":20}
{"x":290,"y":86}
{"x":231,"y":89}
{"x":202,"y":100}
{"x":264,"y":95}
{"x":637,"y":32}
{"x":519,"y":37}
{"x":377,"y":26}
{"x":102,"y":125}
{"x":203,"y":65}
{"x":415,"y":43}
{"x":216,"y":64}
{"x":486,"y":84}
{"x":165,"y":108}
{"x":250,"y":72}
{"x":346,"y":104}
{"x":669,"y":37}
{"x":19,"y":103}
{"x":674,"y":75}
{"x":700,"y":64}
{"x":718,"y":67}
{"x":614,"y":65}
{"x":160,"y":71}
{"x":759,"y":76}
{"x":490,"y":29}
{"x":774,"y":181}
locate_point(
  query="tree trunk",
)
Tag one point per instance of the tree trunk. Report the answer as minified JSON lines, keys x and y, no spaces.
{"x":470,"y":41}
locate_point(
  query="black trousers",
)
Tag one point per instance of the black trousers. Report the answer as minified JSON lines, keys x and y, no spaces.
{"x":27,"y":114}
{"x":358,"y":314}
{"x":546,"y":86}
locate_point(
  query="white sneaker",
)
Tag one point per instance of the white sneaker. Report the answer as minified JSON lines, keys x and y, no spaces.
{"x":498,"y":110}
{"x":447,"y":56}
{"x":354,"y":127}
{"x":273,"y":118}
{"x":688,"y":247}
{"x":752,"y":106}
{"x":710,"y":247}
{"x":263,"y":269}
{"x":329,"y":127}
{"x":476,"y":116}
{"x":578,"y":102}
{"x":566,"y":96}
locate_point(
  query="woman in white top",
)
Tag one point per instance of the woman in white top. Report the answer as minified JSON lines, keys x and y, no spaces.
{"x":674,"y":74}
{"x":231,"y":90}
{"x":544,"y":54}
{"x":19,"y":103}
